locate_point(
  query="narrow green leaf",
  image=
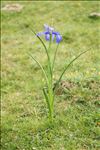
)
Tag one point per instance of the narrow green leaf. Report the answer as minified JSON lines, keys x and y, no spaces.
{"x":57,"y":83}
{"x":44,"y":73}
{"x":44,"y":48}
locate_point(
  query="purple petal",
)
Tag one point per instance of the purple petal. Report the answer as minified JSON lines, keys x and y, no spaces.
{"x":55,"y":33}
{"x":40,"y":33}
{"x":46,"y":27}
{"x":58,"y":38}
{"x":47,"y":32}
{"x":51,"y":29}
{"x":47,"y":37}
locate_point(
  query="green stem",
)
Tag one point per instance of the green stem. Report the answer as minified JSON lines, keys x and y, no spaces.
{"x":40,"y":67}
{"x":54,"y":57}
{"x":48,"y":96}
{"x":47,"y":100}
{"x":49,"y":64}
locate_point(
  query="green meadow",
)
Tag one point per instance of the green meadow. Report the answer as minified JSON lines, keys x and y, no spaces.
{"x":24,"y":122}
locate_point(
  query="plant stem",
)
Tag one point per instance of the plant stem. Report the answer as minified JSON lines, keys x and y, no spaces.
{"x":44,"y":73}
{"x":54,"y":57}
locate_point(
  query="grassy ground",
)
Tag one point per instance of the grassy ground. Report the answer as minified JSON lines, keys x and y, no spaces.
{"x":24,"y":122}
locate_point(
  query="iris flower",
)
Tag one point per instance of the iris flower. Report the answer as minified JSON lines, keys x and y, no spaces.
{"x":49,"y":31}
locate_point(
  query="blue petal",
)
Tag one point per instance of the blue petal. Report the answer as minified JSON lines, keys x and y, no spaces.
{"x":46,"y":27}
{"x":58,"y":38}
{"x":51,"y":29}
{"x":47,"y":37}
{"x":55,"y":33}
{"x":47,"y":32}
{"x":40,"y":33}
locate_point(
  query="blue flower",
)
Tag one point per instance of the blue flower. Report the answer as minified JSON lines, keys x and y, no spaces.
{"x":49,"y":31}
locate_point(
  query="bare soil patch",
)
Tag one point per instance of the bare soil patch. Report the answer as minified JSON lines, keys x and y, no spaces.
{"x":13,"y":7}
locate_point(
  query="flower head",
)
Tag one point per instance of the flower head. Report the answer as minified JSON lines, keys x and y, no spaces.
{"x":49,"y":31}
{"x":48,"y":28}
